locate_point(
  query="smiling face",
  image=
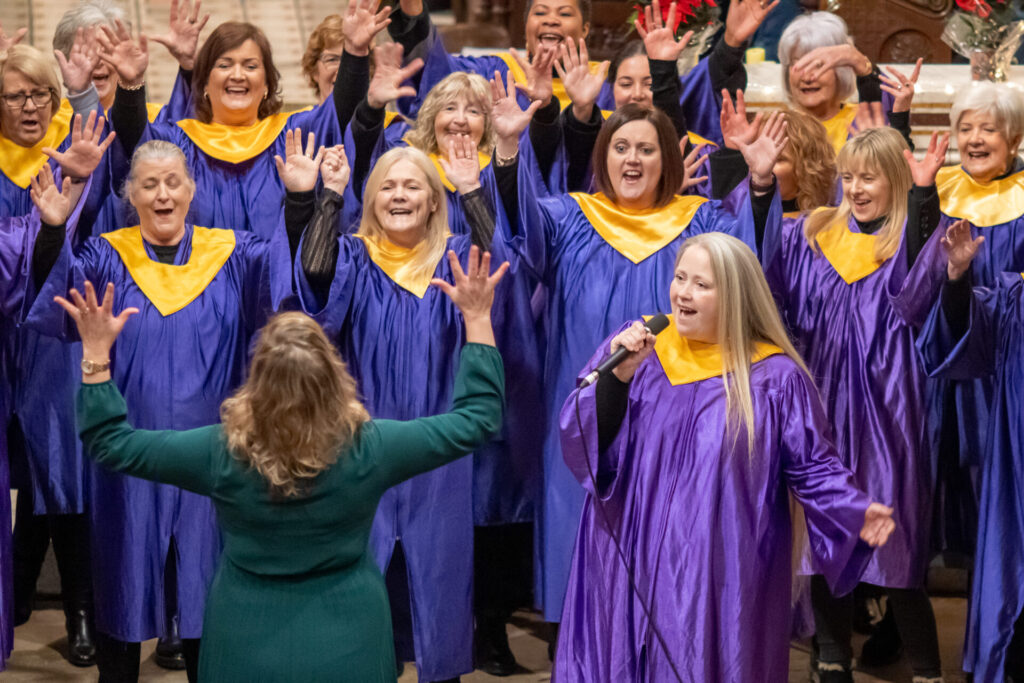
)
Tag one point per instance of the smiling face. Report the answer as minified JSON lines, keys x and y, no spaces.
{"x":327,"y":69}
{"x":819,"y":97}
{"x":237,"y":85}
{"x":161,"y":192}
{"x":24,"y":126}
{"x":694,"y":296}
{"x":403,"y":204}
{"x":984,"y":150}
{"x":459,"y":117}
{"x":549,"y":22}
{"x":633,"y":82}
{"x":868,"y":192}
{"x":634,"y":164}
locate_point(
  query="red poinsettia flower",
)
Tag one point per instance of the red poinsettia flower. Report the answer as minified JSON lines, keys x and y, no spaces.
{"x":684,"y":9}
{"x":979,"y":7}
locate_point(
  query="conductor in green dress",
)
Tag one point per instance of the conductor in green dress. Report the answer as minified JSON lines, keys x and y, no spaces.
{"x":295,"y":472}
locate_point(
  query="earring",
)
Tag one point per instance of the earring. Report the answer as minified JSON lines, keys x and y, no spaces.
{"x":206,"y":95}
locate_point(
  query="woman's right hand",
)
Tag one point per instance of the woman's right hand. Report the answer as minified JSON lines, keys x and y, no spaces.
{"x":299,"y":170}
{"x":639,"y":341}
{"x":473,"y":292}
{"x":736,"y":129}
{"x":125,"y":55}
{"x":335,"y":170}
{"x":878,"y":525}
{"x":960,"y":248}
{"x":76,"y":69}
{"x":389,"y":74}
{"x":659,"y":36}
{"x":361,"y":25}
{"x":52,"y":202}
{"x":819,"y":60}
{"x":581,"y":85}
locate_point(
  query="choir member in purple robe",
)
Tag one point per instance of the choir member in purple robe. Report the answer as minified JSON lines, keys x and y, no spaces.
{"x":688,"y":451}
{"x":980,"y":333}
{"x":853,"y":284}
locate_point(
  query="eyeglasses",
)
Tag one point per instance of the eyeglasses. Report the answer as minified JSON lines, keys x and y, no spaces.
{"x":329,"y":59}
{"x":17,"y":100}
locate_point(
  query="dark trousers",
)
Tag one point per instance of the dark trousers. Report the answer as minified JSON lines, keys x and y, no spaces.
{"x":915,"y":620}
{"x":118,"y":660}
{"x":1015,"y":652}
{"x":503,"y":571}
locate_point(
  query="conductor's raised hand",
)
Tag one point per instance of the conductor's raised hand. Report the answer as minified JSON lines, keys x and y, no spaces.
{"x":473,"y":292}
{"x":639,"y":341}
{"x":97,"y":325}
{"x":299,"y":169}
{"x":878,"y":525}
{"x":961,"y":248}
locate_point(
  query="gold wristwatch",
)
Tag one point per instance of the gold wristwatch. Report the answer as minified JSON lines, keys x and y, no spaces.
{"x":91,"y":367}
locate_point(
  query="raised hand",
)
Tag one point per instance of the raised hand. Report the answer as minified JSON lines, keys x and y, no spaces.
{"x":184,"y":27}
{"x":87,"y":147}
{"x":736,"y":129}
{"x":473,"y":292}
{"x":744,"y":18}
{"x":361,"y":25}
{"x":582,"y":86}
{"x":869,"y":115}
{"x":125,"y":55}
{"x":538,"y":73}
{"x":508,"y":118}
{"x":691,"y":166}
{"x":97,"y":325}
{"x":389,"y":74}
{"x":53,"y":203}
{"x":462,"y":167}
{"x":639,"y":341}
{"x":658,"y":36}
{"x":819,"y":60}
{"x":76,"y":69}
{"x":299,"y":170}
{"x":901,"y":87}
{"x":878,"y":525}
{"x":960,"y":248}
{"x":6,"y":41}
{"x":923,"y":172}
{"x":763,"y":152}
{"x":335,"y":169}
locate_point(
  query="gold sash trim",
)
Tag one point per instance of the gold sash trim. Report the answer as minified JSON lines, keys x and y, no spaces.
{"x":686,"y":361}
{"x":21,"y":164}
{"x":983,"y":204}
{"x":235,"y":144}
{"x":851,"y":254}
{"x":838,"y":127}
{"x":398,"y":263}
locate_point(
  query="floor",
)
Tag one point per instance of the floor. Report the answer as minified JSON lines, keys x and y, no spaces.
{"x":39,"y":643}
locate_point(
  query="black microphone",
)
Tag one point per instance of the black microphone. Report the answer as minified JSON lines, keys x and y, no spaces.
{"x":655,"y":325}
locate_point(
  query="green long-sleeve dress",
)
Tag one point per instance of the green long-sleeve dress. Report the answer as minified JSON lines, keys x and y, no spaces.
{"x":296,"y":596}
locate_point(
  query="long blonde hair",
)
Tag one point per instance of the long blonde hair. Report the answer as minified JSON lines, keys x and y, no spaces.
{"x":879,"y":150}
{"x":298,"y":409}
{"x":437,"y":223}
{"x":747,"y":314}
{"x":472,"y":87}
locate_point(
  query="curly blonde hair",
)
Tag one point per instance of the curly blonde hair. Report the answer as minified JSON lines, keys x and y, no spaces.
{"x":452,"y":88}
{"x":813,"y":158}
{"x":298,"y":409}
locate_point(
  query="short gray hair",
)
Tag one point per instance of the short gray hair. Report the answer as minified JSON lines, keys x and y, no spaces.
{"x":87,"y":13}
{"x":1005,"y":104}
{"x":810,"y":31}
{"x":156,"y":149}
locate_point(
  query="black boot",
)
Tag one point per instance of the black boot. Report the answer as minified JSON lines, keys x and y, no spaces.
{"x":885,"y":645}
{"x":493,"y":655}
{"x":168,"y":650}
{"x":81,"y":643}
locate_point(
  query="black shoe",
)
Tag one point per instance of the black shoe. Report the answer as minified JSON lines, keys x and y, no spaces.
{"x":169,"y":654}
{"x":834,"y":673}
{"x":493,"y":655}
{"x":81,"y":644}
{"x":885,"y":646}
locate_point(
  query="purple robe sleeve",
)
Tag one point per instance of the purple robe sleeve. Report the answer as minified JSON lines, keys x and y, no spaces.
{"x":332,"y":312}
{"x":913,"y":293}
{"x":833,"y":507}
{"x":17,"y":235}
{"x":974,"y":354}
{"x":179,"y":105}
{"x":266,"y":280}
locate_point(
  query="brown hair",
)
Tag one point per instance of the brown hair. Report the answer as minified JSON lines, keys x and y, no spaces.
{"x":298,"y":409}
{"x":228,"y":36}
{"x":813,"y":158}
{"x":671,"y":158}
{"x":452,"y":88}
{"x":327,"y":33}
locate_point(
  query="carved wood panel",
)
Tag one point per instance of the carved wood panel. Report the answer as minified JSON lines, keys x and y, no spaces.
{"x":898,"y":30}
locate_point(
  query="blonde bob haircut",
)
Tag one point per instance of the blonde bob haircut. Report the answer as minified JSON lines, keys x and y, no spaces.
{"x":813,"y":159}
{"x":457,"y":86}
{"x":879,"y":151}
{"x":327,"y":33}
{"x":436,"y":238}
{"x":747,"y":315}
{"x":810,"y":31}
{"x":1003,"y":103}
{"x":33,"y":65}
{"x":298,"y":409}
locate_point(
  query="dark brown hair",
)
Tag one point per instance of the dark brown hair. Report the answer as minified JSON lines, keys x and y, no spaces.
{"x":228,"y":36}
{"x":671,"y":158}
{"x":633,"y":48}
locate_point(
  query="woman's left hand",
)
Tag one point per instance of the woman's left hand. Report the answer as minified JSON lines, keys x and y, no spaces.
{"x":763,"y":152}
{"x":52,"y":202}
{"x":901,"y":87}
{"x":819,"y":60}
{"x":87,"y":148}
{"x":98,"y":327}
{"x":691,"y":166}
{"x":878,"y":525}
{"x":182,"y":37}
{"x":923,"y":172}
{"x":462,"y":167}
{"x":581,"y":85}
{"x":361,"y":25}
{"x":76,"y":69}
{"x":744,"y":18}
{"x":335,"y":170}
{"x":299,"y":170}
{"x":658,"y":36}
{"x":960,"y":248}
{"x":509,"y":120}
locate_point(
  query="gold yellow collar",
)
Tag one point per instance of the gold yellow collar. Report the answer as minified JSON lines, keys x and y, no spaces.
{"x":153,"y":110}
{"x":171,"y":288}
{"x":638,"y":234}
{"x":851,"y":254}
{"x":983,"y":204}
{"x":21,"y":164}
{"x":398,"y":263}
{"x":235,"y":144}
{"x":686,"y":361}
{"x":838,"y":127}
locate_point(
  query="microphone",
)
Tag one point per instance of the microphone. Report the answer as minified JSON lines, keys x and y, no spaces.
{"x":655,"y":325}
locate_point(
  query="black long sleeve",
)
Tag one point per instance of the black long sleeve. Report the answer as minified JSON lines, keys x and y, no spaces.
{"x":869,"y":88}
{"x":900,"y":121}
{"x":350,"y":86}
{"x":129,"y":117}
{"x":298,"y":211}
{"x":761,"y":205}
{"x":728,"y":169}
{"x":612,"y":396}
{"x":546,"y":135}
{"x":665,"y":91}
{"x":580,"y":138}
{"x":956,"y":304}
{"x":46,"y":251}
{"x":408,"y":31}
{"x":726,"y":70}
{"x":367,"y":127}
{"x":507,"y":178}
{"x":320,"y":244}
{"x":480,"y":217}
{"x":923,"y":215}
